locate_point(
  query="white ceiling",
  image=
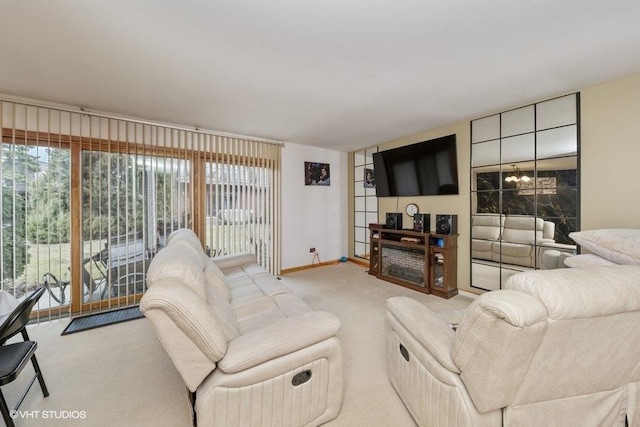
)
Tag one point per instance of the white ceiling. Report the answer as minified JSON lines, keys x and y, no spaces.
{"x":340,"y":74}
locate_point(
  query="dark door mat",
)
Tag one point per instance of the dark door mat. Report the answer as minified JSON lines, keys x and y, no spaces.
{"x":92,"y":321}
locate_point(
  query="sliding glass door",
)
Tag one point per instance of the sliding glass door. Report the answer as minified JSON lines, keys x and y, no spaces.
{"x":130,"y":204}
{"x":88,"y":200}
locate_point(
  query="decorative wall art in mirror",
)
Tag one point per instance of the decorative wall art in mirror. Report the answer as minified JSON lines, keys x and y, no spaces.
{"x":525,"y":189}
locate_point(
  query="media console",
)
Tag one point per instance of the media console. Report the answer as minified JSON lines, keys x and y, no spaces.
{"x":425,"y":262}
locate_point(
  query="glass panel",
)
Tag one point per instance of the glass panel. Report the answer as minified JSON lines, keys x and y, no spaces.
{"x":358,"y":158}
{"x":485,"y":129}
{"x":369,"y":155}
{"x":116,"y":218}
{"x":557,"y":142}
{"x":557,"y":192}
{"x":371,"y":218}
{"x":485,"y":275}
{"x":556,"y":112}
{"x":403,"y":263}
{"x":563,"y":226}
{"x":359,"y":189}
{"x":361,"y":234}
{"x":359,"y":204}
{"x":360,"y":219}
{"x":35,"y":222}
{"x":372,"y":203}
{"x":359,"y":174}
{"x":485,"y":153}
{"x":518,"y":121}
{"x":438,"y":261}
{"x":519,"y":148}
{"x":485,"y":179}
{"x":514,"y":202}
{"x":239,"y":199}
{"x":361,"y":250}
{"x":488,"y":202}
{"x":371,"y":192}
{"x":559,"y":166}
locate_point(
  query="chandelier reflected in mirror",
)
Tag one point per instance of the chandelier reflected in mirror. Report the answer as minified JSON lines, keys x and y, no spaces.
{"x":517,"y":175}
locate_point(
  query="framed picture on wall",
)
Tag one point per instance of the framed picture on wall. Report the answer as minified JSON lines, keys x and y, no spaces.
{"x":369,"y":179}
{"x":317,"y":173}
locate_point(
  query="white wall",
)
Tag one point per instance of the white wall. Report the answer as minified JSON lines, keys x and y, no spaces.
{"x":610,"y":150}
{"x":313,"y":216}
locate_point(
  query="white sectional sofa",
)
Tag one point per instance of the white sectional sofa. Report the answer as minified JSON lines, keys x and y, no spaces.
{"x":250,"y":351}
{"x":554,"y":348}
{"x":514,"y":239}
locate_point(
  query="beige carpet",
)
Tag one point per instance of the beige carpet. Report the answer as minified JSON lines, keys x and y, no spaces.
{"x":119,"y":375}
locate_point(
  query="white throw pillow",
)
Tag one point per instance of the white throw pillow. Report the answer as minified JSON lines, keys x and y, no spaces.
{"x":587,"y":260}
{"x":621,"y":246}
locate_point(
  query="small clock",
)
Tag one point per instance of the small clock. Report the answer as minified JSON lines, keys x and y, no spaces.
{"x":412,"y":209}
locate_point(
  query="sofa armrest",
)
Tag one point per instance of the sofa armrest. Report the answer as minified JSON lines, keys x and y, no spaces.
{"x":562,"y":247}
{"x":278,"y":339}
{"x":227,"y":262}
{"x":545,"y":242}
{"x":427,"y":327}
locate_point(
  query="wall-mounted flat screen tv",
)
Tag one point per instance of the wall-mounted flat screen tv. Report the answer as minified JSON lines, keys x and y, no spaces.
{"x":422,"y":169}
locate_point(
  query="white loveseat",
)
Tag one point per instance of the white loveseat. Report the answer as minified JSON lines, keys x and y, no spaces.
{"x":250,"y":351}
{"x":554,"y":348}
{"x":513,"y":239}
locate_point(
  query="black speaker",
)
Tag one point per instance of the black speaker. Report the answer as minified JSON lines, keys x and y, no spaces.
{"x":422,"y":223}
{"x":446,"y":224}
{"x":394,"y":221}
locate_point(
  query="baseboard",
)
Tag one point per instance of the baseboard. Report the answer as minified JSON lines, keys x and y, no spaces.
{"x":468,"y":293}
{"x":361,"y":262}
{"x":307,"y":267}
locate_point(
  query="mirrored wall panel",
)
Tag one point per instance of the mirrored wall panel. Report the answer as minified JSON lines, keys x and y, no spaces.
{"x":365,"y":200}
{"x":525,"y":189}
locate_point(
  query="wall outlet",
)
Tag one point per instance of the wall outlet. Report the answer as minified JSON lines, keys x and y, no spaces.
{"x":312,"y":250}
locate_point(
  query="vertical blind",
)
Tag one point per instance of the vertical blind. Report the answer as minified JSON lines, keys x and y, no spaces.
{"x":89,"y":199}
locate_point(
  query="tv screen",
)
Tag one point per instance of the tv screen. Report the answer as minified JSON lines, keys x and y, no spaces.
{"x":423,"y":169}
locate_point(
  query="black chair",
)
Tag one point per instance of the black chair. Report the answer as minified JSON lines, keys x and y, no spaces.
{"x":14,"y":357}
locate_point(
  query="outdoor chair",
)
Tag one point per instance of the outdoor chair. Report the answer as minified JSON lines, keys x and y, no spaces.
{"x":14,"y":357}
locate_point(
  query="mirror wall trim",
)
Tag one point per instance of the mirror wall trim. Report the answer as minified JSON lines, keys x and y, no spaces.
{"x":525,"y":174}
{"x":365,"y":201}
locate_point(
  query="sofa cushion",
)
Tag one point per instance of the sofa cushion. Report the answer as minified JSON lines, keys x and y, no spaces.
{"x":278,"y":339}
{"x":527,"y":230}
{"x":215,"y":279}
{"x":174,"y":263}
{"x":223,"y":313}
{"x":513,"y":249}
{"x":579,"y":294}
{"x":486,"y":227}
{"x":191,"y":244}
{"x":621,"y":246}
{"x":481,"y":245}
{"x":253,"y":275}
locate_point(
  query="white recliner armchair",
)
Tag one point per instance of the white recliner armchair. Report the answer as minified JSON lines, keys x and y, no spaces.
{"x":556,"y":348}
